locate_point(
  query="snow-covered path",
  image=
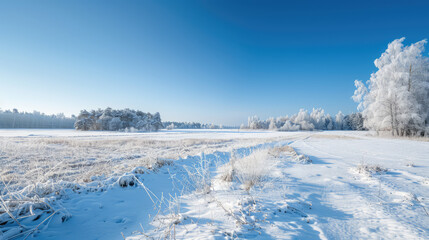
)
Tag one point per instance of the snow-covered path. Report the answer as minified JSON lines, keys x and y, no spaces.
{"x":389,"y":205}
{"x":327,"y":199}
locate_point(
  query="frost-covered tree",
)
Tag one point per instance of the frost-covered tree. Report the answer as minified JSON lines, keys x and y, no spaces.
{"x":156,"y":121}
{"x":339,"y":121}
{"x":329,"y":123}
{"x":318,"y":118}
{"x":303,"y":119}
{"x":254,"y":122}
{"x":83,"y":121}
{"x":353,"y":121}
{"x":289,"y":126}
{"x":396,"y":97}
{"x":115,"y":124}
{"x":272,"y":125}
{"x":105,"y":119}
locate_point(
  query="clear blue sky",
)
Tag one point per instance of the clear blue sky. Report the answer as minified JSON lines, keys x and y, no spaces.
{"x":208,"y":61}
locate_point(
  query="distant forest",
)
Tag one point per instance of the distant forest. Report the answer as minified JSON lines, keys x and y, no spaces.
{"x":127,"y":119}
{"x":108,"y":119}
{"x":118,"y":120}
{"x":15,"y":119}
{"x":303,"y":120}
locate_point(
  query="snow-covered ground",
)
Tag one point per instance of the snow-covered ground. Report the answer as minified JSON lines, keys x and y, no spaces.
{"x":210,"y":184}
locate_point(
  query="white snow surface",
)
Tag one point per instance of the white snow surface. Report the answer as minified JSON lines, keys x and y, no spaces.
{"x":110,"y":185}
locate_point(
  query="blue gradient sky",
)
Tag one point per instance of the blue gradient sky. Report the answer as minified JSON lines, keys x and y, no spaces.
{"x":207,"y":61}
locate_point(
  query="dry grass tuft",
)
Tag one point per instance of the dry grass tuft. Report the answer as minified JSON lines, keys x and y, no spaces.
{"x":249,"y":171}
{"x":370,"y":169}
{"x":288,"y":151}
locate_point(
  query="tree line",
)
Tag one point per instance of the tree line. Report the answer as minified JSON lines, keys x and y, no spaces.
{"x":303,"y":120}
{"x":115,"y":120}
{"x":16,"y":119}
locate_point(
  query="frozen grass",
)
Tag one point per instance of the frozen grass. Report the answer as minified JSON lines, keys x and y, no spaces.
{"x":228,"y":171}
{"x":37,"y":204}
{"x":38,"y":169}
{"x":199,"y":176}
{"x":248,"y":199}
{"x":248,"y":171}
{"x":236,"y":204}
{"x":289,"y":153}
{"x":106,"y":180}
{"x":253,"y":169}
{"x":201,"y":179}
{"x":27,"y":161}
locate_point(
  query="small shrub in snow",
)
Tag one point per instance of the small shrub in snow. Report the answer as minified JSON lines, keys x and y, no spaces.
{"x":228,"y":171}
{"x":163,"y":162}
{"x":253,"y":169}
{"x":368,"y":169}
{"x":288,"y":151}
{"x":139,"y":170}
{"x":302,"y":159}
{"x":127,"y":180}
{"x":410,"y":164}
{"x":280,"y":151}
{"x":228,"y":174}
{"x":156,"y":163}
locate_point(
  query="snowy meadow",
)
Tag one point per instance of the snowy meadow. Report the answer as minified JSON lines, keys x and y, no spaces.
{"x":209,"y":184}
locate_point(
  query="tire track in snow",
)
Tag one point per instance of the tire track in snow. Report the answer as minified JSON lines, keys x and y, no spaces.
{"x":358,"y":199}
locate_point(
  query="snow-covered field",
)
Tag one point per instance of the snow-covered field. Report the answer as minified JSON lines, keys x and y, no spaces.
{"x":210,"y":184}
